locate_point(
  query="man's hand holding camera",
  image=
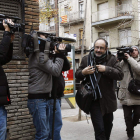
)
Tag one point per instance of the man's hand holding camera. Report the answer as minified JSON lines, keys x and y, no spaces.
{"x":61,"y":47}
{"x":126,"y":55}
{"x":8,"y":29}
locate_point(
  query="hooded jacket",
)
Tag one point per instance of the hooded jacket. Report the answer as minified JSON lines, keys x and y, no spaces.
{"x":125,"y":97}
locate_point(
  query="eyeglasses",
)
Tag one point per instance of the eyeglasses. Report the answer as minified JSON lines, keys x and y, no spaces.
{"x":97,"y":47}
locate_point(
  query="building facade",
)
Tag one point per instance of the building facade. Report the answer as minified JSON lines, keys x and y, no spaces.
{"x":71,"y":21}
{"x":49,"y":24}
{"x":116,"y":21}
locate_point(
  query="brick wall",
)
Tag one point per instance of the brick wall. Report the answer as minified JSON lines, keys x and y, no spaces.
{"x":19,"y":121}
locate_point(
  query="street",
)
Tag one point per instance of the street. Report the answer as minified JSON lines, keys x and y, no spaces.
{"x":80,"y":130}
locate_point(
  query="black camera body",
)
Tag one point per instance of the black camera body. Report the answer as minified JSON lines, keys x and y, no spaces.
{"x":30,"y":47}
{"x":122,"y":50}
{"x":16,"y":27}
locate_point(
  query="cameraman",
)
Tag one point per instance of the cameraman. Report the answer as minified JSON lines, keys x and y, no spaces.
{"x":130,"y":102}
{"x":56,"y":94}
{"x":40,"y":86}
{"x":6,"y":51}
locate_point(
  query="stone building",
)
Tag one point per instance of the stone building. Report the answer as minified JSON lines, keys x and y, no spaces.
{"x":71,"y":14}
{"x":20,"y":126}
{"x":117,"y":21}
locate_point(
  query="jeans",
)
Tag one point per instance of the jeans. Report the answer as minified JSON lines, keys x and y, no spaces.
{"x":58,"y":119}
{"x":102,"y":124}
{"x":3,"y":123}
{"x":39,"y":109}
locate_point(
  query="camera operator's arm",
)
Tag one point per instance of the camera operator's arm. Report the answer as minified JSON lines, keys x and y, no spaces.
{"x":6,"y":47}
{"x":133,"y":63}
{"x":114,"y":72}
{"x":66,"y":65}
{"x":49,"y":66}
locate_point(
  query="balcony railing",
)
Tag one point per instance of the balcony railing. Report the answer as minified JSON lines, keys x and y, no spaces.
{"x":76,"y":16}
{"x":46,"y":28}
{"x":121,"y":10}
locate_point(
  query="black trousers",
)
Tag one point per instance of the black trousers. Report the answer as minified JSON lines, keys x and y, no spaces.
{"x":102,"y":124}
{"x":131,"y":116}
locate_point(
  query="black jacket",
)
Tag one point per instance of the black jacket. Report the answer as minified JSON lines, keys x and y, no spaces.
{"x":58,"y":82}
{"x":6,"y":51}
{"x":108,"y":102}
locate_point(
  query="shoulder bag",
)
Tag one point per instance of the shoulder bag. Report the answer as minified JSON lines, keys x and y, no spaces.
{"x":134,"y":84}
{"x":85,"y":95}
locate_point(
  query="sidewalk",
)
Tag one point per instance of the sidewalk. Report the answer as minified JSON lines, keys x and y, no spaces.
{"x":81,"y":130}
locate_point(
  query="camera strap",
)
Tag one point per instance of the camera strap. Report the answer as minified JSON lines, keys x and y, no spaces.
{"x":131,"y":73}
{"x":36,"y":45}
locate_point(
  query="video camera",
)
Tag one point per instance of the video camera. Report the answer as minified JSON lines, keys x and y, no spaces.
{"x":32,"y":42}
{"x":122,"y":50}
{"x":16,"y":27}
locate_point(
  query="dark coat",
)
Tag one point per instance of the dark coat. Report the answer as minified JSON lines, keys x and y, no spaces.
{"x":113,"y":72}
{"x":6,"y":51}
{"x":59,"y":82}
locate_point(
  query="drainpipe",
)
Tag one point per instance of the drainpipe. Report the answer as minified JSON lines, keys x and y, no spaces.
{"x":23,"y":13}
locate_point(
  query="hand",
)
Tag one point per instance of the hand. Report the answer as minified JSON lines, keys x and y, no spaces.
{"x":12,"y":37}
{"x":126,"y":55}
{"x":42,"y":36}
{"x":88,"y":70}
{"x":61,"y":47}
{"x":6,"y":26}
{"x":101,"y":68}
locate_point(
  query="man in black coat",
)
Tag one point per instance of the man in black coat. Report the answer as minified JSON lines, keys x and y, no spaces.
{"x":101,"y":109}
{"x":6,"y":51}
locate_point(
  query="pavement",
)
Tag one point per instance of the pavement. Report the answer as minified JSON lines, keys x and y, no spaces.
{"x":80,"y":130}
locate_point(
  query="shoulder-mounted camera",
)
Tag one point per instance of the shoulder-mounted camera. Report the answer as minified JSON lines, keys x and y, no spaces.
{"x":33,"y":42}
{"x":122,"y":50}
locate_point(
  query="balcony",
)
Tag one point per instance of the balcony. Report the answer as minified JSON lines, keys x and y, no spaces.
{"x":112,"y":15}
{"x":73,"y":18}
{"x":45,"y":28}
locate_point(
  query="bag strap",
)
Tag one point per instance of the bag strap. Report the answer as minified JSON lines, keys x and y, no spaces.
{"x":130,"y":71}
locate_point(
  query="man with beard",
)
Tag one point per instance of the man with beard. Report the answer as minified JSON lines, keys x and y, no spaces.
{"x":102,"y":108}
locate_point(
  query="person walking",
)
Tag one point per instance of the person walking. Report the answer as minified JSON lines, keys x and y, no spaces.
{"x":130,"y":102}
{"x":101,"y":110}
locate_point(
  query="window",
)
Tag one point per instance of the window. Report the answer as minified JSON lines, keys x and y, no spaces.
{"x":124,"y":7}
{"x":52,"y":4}
{"x":66,"y":11}
{"x":81,"y":9}
{"x":52,"y":24}
{"x":125,"y":37}
{"x":105,"y":36}
{"x":103,"y":11}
